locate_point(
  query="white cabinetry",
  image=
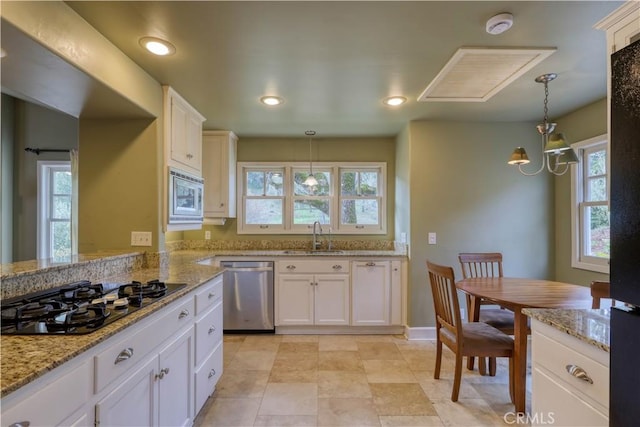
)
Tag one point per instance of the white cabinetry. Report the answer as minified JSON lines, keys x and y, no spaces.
{"x":371,"y":288}
{"x":183,"y":133}
{"x":312,"y":292}
{"x":570,"y":379}
{"x":219,"y":172}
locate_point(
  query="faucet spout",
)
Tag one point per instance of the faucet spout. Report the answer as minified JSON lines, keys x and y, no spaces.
{"x":316,"y":232}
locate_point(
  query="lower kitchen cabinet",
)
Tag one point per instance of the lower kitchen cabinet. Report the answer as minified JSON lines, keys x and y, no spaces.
{"x":157,"y":393}
{"x":371,"y":290}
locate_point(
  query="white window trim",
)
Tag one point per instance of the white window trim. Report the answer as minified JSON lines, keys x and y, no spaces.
{"x":44,"y":205}
{"x":288,"y":227}
{"x":577,"y":177}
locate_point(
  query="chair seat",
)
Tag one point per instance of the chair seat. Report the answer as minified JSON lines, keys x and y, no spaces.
{"x":480,"y":339}
{"x":497,"y":317}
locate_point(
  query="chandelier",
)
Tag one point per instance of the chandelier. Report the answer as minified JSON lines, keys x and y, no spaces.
{"x":557,"y":155}
{"x":311,"y":180}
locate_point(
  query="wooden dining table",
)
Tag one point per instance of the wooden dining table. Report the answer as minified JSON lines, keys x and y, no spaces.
{"x":515,"y":294}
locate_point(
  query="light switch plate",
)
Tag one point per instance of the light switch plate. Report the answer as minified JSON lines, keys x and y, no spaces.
{"x":207,"y":235}
{"x":432,"y":238}
{"x":140,"y":238}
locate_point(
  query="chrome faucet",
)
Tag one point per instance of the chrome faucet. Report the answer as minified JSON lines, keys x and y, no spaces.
{"x":316,"y":242}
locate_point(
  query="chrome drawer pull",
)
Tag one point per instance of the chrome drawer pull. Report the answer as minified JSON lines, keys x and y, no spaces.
{"x":337,"y":267}
{"x":21,"y":424}
{"x":370,"y":264}
{"x":124,"y":355}
{"x":579,"y":373}
{"x":183,"y":314}
{"x":291,"y":267}
{"x":212,"y":373}
{"x":211,"y":295}
{"x":212,"y":330}
{"x":162,"y":373}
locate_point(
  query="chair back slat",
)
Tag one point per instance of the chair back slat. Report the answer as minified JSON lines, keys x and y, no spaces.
{"x":480,"y":264}
{"x":445,"y":297}
{"x":600,"y":290}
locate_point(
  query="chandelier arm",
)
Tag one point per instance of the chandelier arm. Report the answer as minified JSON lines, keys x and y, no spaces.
{"x":542,"y":166}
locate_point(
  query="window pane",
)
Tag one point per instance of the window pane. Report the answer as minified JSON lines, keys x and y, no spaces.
{"x":322,"y":189}
{"x":62,"y":182}
{"x":359,"y":183}
{"x":597,"y":163}
{"x":263,"y":211}
{"x":275,"y":183}
{"x":255,"y":183}
{"x":60,"y":239}
{"x":310,"y":211}
{"x":597,"y":236}
{"x":597,"y":190}
{"x":348,"y":183}
{"x":359,"y":212}
{"x":61,"y":207}
{"x":368,"y":183}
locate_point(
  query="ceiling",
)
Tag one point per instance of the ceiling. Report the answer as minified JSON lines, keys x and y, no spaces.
{"x":333,"y":62}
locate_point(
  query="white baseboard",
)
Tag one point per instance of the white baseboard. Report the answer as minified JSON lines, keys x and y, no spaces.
{"x":420,"y":333}
{"x":338,"y":330}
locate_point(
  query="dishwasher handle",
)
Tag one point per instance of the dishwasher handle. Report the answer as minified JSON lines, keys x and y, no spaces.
{"x":248,"y":269}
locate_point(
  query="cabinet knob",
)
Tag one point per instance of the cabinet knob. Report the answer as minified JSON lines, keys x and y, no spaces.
{"x":291,"y":267}
{"x":212,"y":330}
{"x":125,"y":354}
{"x":222,"y":205}
{"x":211,"y":295}
{"x":162,"y":373}
{"x":370,"y":264}
{"x":183,"y":314}
{"x":337,"y":267}
{"x":212,"y":373}
{"x":579,"y":373}
{"x":189,"y":156}
{"x":21,"y":424}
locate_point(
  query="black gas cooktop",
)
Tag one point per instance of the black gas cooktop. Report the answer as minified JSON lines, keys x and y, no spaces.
{"x":80,"y":307}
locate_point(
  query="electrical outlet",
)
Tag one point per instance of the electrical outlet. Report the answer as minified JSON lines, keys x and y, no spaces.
{"x":432,"y":238}
{"x":207,"y":235}
{"x":140,"y":238}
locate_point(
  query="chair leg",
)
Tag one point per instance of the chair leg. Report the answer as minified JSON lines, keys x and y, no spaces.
{"x":470,"y":362}
{"x":436,"y":371}
{"x":492,"y":366}
{"x":511,"y":384}
{"x":482,"y":365}
{"x":457,"y":377}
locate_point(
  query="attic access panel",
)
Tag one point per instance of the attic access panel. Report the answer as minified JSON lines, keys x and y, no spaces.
{"x":476,"y":74}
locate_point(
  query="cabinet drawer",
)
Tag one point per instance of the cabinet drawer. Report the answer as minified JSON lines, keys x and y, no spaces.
{"x":313,"y":266}
{"x":551,"y":351}
{"x":207,"y":377}
{"x":46,"y":407}
{"x":208,"y":294}
{"x":208,"y":333}
{"x":124,"y":354}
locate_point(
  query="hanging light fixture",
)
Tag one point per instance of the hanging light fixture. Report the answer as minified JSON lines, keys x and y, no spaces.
{"x":311,"y":180}
{"x":555,"y":150}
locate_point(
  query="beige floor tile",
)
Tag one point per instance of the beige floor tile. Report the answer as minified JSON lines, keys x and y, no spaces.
{"x":410,"y":421}
{"x":441,"y":389}
{"x":242,"y":384}
{"x":379,"y":351}
{"x":233,"y":338}
{"x":340,"y":361}
{"x":338,"y":343}
{"x":298,"y":347}
{"x":388,"y":371}
{"x":300,"y":338}
{"x":373,"y":338}
{"x":286,"y":421}
{"x":467,"y":412}
{"x":293,"y":376}
{"x":260,"y":343}
{"x":343,"y":384}
{"x":289,"y":399}
{"x":401,"y":399}
{"x":230,"y":412}
{"x":347,"y":412}
{"x":298,"y":362}
{"x":420,"y":360}
{"x":252,"y":361}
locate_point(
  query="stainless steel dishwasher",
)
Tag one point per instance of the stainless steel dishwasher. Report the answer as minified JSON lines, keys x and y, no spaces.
{"x":248,"y":296}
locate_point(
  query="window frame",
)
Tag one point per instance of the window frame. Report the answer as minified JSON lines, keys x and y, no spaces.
{"x":242,"y":197}
{"x":45,"y":169}
{"x":579,"y":183}
{"x":334,"y":169}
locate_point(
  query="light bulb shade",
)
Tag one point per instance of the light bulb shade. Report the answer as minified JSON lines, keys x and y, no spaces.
{"x":556,"y":143}
{"x":311,"y":181}
{"x":519,"y":157}
{"x":567,"y":157}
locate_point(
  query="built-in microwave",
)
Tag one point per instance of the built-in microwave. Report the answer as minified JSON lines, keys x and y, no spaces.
{"x":186,"y":194}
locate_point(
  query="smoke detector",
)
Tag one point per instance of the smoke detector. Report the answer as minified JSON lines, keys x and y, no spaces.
{"x":500,"y":23}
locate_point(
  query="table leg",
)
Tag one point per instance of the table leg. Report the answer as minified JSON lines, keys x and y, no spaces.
{"x":520,"y":360}
{"x":473,"y":315}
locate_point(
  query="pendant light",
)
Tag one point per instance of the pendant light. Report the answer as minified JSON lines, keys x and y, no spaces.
{"x":555,"y":150}
{"x":311,"y":180}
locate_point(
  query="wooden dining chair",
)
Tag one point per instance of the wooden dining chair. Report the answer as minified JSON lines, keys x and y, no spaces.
{"x":600,"y":290}
{"x":485,"y":264}
{"x":464,"y":339}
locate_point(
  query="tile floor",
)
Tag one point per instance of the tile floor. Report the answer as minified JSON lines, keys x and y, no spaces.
{"x":348,"y":380}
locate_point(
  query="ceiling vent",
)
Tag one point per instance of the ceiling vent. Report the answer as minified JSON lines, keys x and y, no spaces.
{"x":476,"y":74}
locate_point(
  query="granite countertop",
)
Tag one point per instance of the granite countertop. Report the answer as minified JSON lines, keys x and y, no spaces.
{"x":590,"y":326}
{"x":205,"y":254}
{"x":25,"y":358}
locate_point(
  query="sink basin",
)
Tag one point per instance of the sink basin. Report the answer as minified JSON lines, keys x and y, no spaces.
{"x":317,"y":252}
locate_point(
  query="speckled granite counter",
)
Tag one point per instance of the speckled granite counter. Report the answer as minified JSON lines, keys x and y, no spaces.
{"x":590,"y":326}
{"x":25,"y":358}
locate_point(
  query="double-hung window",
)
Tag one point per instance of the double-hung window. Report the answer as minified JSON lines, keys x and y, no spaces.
{"x":590,"y":213}
{"x":54,"y":209}
{"x":349,"y":198}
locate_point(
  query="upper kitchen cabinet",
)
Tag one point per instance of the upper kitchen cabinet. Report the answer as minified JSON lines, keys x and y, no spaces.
{"x":219,"y":173}
{"x":183,"y":133}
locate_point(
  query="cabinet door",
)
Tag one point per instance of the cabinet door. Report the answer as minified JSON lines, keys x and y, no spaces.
{"x":193,"y":141}
{"x":134,"y":402}
{"x":175,"y":386}
{"x":371,"y":293}
{"x":295,"y":299}
{"x":219,"y":171}
{"x":332,"y":302}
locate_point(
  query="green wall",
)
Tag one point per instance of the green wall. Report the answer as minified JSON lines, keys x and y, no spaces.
{"x":462,"y":188}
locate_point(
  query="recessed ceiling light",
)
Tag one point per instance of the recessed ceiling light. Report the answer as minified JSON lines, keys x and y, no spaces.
{"x":394,"y":101}
{"x":272,"y":100}
{"x":157,"y":46}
